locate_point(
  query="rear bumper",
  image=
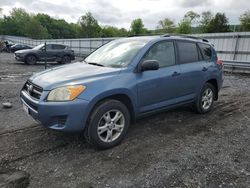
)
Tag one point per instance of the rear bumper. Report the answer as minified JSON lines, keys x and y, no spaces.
{"x":67,"y":116}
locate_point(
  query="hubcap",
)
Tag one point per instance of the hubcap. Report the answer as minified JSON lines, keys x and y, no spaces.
{"x":66,"y":60}
{"x":32,"y":59}
{"x":207,"y":99}
{"x":111,"y":125}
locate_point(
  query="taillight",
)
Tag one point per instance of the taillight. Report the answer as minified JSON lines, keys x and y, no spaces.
{"x":220,"y":62}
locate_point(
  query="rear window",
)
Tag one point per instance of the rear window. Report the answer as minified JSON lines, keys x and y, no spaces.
{"x":187,"y":52}
{"x":206,"y":51}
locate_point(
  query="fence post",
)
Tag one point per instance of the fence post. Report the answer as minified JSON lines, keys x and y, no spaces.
{"x":79,"y":47}
{"x":236,"y":46}
{"x":90,"y":45}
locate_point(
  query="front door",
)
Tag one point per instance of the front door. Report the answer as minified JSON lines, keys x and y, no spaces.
{"x":159,"y":88}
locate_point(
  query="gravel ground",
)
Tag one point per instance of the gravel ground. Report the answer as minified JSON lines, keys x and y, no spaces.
{"x":177,"y":148}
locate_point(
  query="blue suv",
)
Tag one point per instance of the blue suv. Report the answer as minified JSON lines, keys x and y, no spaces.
{"x":124,"y":80}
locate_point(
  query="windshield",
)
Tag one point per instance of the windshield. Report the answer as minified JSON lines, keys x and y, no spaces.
{"x":117,"y":53}
{"x":38,"y":47}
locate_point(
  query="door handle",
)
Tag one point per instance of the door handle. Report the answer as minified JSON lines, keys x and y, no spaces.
{"x":204,"y":69}
{"x":176,"y":74}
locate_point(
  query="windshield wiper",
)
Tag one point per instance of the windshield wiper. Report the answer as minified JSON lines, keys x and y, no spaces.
{"x":97,"y":64}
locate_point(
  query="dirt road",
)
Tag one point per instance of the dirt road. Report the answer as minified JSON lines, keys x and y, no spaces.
{"x":177,"y":148}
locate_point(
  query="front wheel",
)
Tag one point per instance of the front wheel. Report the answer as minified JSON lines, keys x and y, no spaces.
{"x":31,"y":60}
{"x":205,"y":100}
{"x":108,"y":124}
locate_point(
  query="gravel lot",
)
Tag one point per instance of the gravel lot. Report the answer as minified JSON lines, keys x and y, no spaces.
{"x":177,"y":148}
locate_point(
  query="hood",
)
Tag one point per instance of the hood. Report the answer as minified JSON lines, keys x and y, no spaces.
{"x":75,"y":73}
{"x":24,"y":51}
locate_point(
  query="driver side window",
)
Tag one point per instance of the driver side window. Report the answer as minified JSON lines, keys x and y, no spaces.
{"x":163,"y":52}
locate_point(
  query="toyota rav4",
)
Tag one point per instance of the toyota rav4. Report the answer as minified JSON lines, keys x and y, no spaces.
{"x":122,"y":81}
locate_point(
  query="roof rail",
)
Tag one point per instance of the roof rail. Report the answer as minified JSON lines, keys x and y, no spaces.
{"x":186,"y":36}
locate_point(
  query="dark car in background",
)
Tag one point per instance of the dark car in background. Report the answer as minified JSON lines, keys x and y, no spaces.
{"x":17,"y":47}
{"x":50,"y":52}
{"x":5,"y":46}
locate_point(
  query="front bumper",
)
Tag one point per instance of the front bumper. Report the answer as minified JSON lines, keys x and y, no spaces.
{"x":19,"y":58}
{"x":67,"y":116}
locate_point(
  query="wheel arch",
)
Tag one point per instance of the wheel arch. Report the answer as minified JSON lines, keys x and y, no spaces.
{"x":214,"y":82}
{"x":29,"y":54}
{"x":122,"y":97}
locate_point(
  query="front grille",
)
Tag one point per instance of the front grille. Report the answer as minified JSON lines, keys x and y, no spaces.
{"x":33,"y":90}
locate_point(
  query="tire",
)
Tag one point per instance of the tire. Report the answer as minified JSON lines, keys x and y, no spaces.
{"x":65,"y":59}
{"x":111,"y":130}
{"x":205,"y":100}
{"x":31,"y":60}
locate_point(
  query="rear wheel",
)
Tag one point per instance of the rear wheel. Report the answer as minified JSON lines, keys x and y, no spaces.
{"x":65,"y":59}
{"x":108,"y":124}
{"x":205,"y":100}
{"x":31,"y":60}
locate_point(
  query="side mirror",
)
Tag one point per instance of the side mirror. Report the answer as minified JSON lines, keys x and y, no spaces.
{"x":149,"y":65}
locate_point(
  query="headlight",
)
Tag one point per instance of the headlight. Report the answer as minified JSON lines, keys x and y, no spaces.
{"x":66,"y":93}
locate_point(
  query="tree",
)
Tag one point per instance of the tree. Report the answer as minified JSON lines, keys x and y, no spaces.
{"x":206,"y":18}
{"x":35,"y":30}
{"x":18,"y":19}
{"x":245,"y":21}
{"x":192,"y":17}
{"x":218,"y":24}
{"x":167,"y":25}
{"x":137,"y":27}
{"x":109,"y":31}
{"x":89,"y":25}
{"x":184,"y":27}
{"x":57,"y":28}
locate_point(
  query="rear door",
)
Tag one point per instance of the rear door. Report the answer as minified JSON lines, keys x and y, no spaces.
{"x":192,"y":68}
{"x":57,"y":51}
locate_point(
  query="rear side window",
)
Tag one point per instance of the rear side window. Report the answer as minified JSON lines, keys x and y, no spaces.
{"x":58,"y":47}
{"x":188,"y":52}
{"x":206,"y":51}
{"x":163,"y":52}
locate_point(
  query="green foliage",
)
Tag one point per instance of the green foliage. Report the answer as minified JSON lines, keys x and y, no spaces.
{"x":89,"y":26}
{"x":137,"y":27}
{"x":206,"y":18}
{"x":41,"y":26}
{"x":35,"y":30}
{"x":166,"y":26}
{"x":109,"y":31}
{"x":218,"y":24}
{"x":192,"y":17}
{"x":57,"y":28}
{"x":184,"y":27}
{"x":245,"y":21}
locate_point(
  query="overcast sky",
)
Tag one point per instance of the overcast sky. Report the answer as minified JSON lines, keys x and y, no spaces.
{"x":120,"y":13}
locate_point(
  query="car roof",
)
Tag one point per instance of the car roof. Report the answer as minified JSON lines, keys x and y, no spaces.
{"x":167,"y":36}
{"x":56,"y":44}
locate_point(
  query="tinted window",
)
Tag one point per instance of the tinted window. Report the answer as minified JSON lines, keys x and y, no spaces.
{"x":187,"y":52}
{"x":48,"y":46}
{"x":58,"y":47}
{"x":206,"y":51}
{"x":163,"y":52}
